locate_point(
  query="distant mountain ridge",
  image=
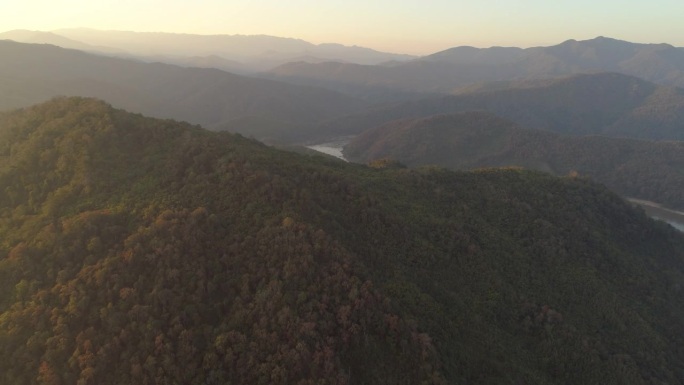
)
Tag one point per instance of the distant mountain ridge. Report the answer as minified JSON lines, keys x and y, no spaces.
{"x":448,"y":70}
{"x":40,"y":37}
{"x":241,"y":53}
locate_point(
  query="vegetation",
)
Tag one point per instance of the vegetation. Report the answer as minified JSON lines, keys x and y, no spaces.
{"x":635,"y":168}
{"x":135,"y":250}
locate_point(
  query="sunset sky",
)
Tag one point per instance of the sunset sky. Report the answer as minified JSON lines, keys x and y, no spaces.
{"x":406,"y":26}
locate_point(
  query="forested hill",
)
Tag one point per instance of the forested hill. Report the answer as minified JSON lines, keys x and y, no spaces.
{"x":135,"y":250}
{"x":635,"y":168}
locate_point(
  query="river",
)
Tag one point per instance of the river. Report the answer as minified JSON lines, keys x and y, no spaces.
{"x":654,"y":210}
{"x":333,"y":147}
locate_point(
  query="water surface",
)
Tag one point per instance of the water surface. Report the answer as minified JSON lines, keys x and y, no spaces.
{"x":654,"y":210}
{"x":333,"y":147}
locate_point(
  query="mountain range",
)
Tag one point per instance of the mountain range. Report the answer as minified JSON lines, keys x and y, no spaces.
{"x":31,"y":73}
{"x":137,"y":250}
{"x":235,"y":53}
{"x":373,"y":75}
{"x":603,"y":103}
{"x":449,"y":70}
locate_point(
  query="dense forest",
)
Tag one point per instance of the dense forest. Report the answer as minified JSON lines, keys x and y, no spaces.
{"x":143,"y":251}
{"x":650,"y":170}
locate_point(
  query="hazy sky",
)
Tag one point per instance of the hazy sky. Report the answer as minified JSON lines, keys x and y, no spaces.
{"x":408,"y":26}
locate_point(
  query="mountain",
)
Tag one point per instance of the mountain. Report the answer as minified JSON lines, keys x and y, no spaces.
{"x":40,"y":37}
{"x":135,"y":250}
{"x":256,"y":52}
{"x":659,"y":63}
{"x":32,"y":73}
{"x":449,"y":70}
{"x":652,"y":171}
{"x":593,"y":104}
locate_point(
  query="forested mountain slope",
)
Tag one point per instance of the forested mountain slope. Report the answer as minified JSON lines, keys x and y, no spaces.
{"x":601,"y":104}
{"x":635,"y":168}
{"x":135,"y":250}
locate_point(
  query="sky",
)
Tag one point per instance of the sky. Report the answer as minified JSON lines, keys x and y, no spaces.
{"x":401,"y":26}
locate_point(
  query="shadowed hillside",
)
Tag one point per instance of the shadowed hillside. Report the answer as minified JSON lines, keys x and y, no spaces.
{"x":636,"y":168}
{"x":598,"y":104}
